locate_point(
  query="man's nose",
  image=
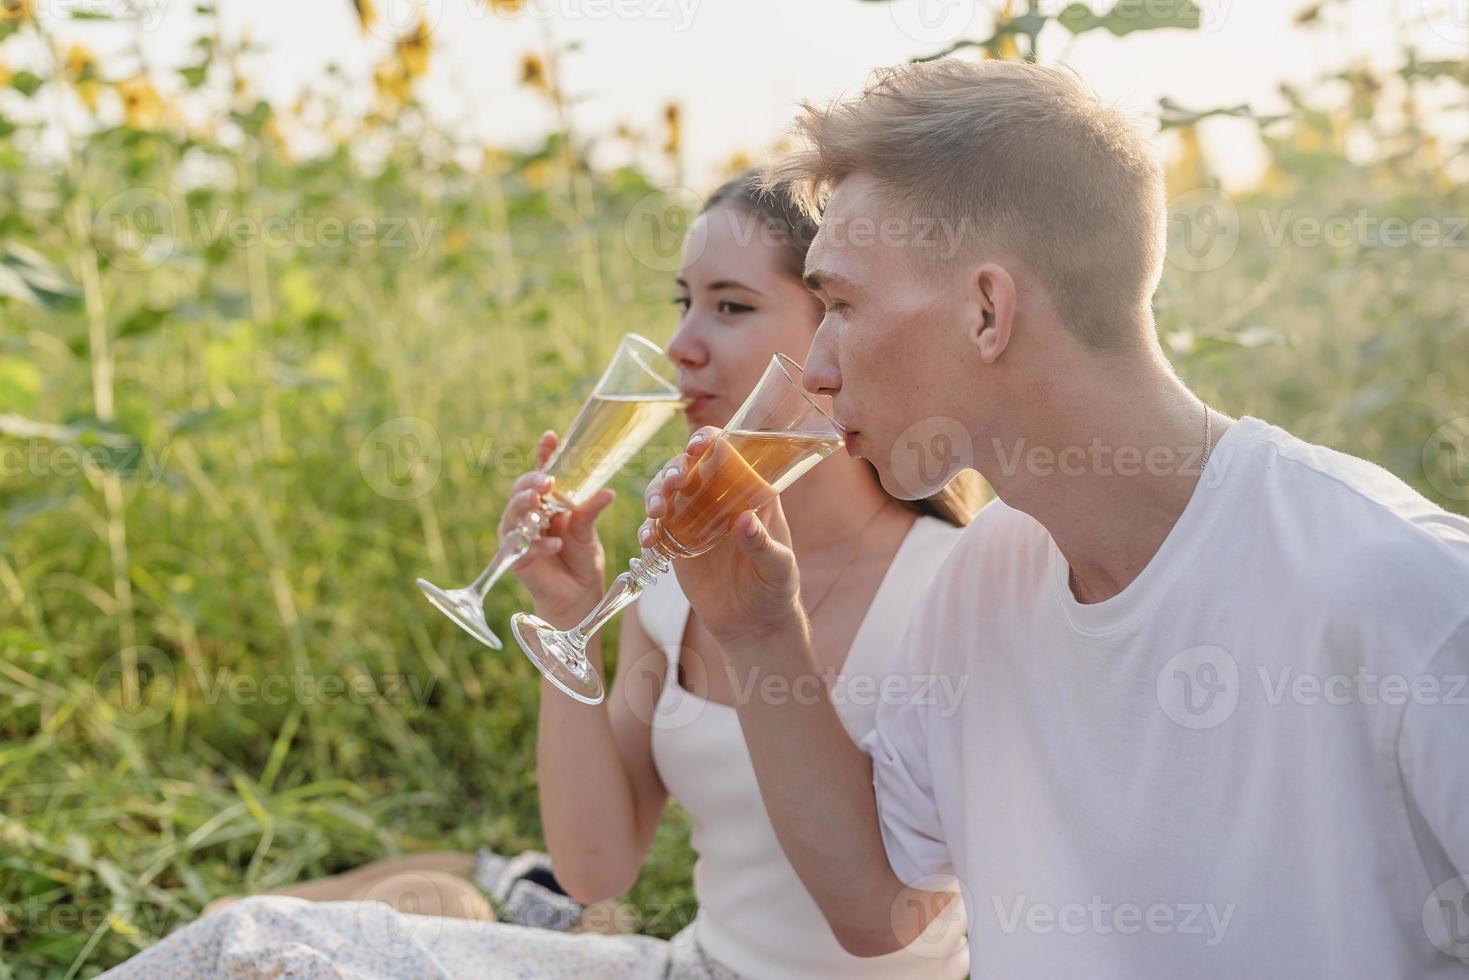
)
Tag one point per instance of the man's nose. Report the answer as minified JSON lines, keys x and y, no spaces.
{"x":821,"y":375}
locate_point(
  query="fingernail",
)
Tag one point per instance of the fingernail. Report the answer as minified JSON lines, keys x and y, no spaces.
{"x":643,"y":534}
{"x":655,"y":501}
{"x":750,"y":529}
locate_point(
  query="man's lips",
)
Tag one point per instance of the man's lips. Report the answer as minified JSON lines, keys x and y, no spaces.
{"x":849,"y":440}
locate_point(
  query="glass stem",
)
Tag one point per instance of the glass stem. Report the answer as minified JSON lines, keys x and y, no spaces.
{"x":641,"y":572}
{"x":514,"y":546}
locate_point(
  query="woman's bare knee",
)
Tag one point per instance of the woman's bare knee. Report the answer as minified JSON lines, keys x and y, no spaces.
{"x":429,"y":893}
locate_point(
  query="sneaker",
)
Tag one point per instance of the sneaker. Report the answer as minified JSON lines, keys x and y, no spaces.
{"x":531,"y":903}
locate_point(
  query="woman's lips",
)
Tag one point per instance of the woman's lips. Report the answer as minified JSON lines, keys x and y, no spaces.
{"x":697,"y":404}
{"x":849,"y":439}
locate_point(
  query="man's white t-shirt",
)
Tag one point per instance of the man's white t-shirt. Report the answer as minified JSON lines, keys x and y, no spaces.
{"x":1252,"y":762}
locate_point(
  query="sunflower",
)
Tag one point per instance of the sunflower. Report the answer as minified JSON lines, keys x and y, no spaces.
{"x":142,"y":106}
{"x":394,"y":86}
{"x":366,"y":15}
{"x":413,"y":50}
{"x":673,"y":117}
{"x":495,"y":161}
{"x":81,"y":69}
{"x":17,"y":10}
{"x":533,"y":73}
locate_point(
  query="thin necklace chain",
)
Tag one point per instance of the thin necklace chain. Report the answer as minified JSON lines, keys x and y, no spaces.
{"x":1207,"y":441}
{"x":847,"y":563}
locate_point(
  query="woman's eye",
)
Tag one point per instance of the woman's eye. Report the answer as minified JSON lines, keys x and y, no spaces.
{"x":682,"y":302}
{"x":727,"y":307}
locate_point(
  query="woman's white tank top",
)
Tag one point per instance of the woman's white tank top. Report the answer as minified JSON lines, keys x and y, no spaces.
{"x":755,"y":916}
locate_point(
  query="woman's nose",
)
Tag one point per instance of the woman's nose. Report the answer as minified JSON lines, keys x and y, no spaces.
{"x":686,"y":349}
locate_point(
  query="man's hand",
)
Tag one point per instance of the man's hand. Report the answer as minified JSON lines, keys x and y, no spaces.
{"x":747,"y":584}
{"x":815,"y":782}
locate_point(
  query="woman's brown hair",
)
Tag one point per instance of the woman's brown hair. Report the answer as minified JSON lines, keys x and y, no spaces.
{"x":967,"y":492}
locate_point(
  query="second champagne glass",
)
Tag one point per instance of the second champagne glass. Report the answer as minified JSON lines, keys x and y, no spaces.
{"x":632,"y":401}
{"x":778,"y":434}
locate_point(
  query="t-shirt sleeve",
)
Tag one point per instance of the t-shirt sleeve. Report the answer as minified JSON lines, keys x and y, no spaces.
{"x":907,"y":810}
{"x":1432,"y":749}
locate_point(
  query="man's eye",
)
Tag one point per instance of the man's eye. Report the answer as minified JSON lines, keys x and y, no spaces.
{"x":837,"y":307}
{"x":725,"y":306}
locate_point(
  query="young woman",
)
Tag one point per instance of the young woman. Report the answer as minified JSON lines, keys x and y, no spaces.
{"x":668,"y":728}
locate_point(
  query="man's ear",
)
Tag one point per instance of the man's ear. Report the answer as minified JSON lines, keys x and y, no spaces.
{"x":993,"y":291}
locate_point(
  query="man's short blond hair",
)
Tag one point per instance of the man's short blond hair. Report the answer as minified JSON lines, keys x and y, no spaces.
{"x":1025,"y":159}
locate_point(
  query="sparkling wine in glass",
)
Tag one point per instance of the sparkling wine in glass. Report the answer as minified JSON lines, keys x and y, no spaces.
{"x":631,"y":402}
{"x":778,"y":434}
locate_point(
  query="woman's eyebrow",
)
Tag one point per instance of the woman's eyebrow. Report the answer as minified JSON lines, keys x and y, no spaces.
{"x":734,"y":284}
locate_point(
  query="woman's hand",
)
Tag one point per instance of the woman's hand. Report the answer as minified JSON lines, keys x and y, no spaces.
{"x":746,"y":584}
{"x":564,"y":570}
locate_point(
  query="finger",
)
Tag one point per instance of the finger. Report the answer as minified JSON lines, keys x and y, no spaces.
{"x":546,"y":447}
{"x":773,"y":516}
{"x":753,"y":538}
{"x":542,"y":547}
{"x":519,"y":506}
{"x":581,"y":525}
{"x":535,"y":479}
{"x":701,"y":440}
{"x":669,"y":480}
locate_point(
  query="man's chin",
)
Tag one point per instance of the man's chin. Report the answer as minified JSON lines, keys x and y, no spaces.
{"x":904,"y":486}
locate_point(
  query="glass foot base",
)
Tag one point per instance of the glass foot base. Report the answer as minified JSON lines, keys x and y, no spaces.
{"x":554,"y":658}
{"x":465,"y":608}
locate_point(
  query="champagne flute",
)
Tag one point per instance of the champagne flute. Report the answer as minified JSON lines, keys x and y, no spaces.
{"x":631,"y":402}
{"x":778,"y":434}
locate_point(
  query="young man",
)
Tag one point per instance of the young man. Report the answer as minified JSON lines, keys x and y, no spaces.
{"x":1214,"y":719}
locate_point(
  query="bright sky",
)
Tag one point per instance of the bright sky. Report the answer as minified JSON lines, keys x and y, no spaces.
{"x":739,"y":67}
